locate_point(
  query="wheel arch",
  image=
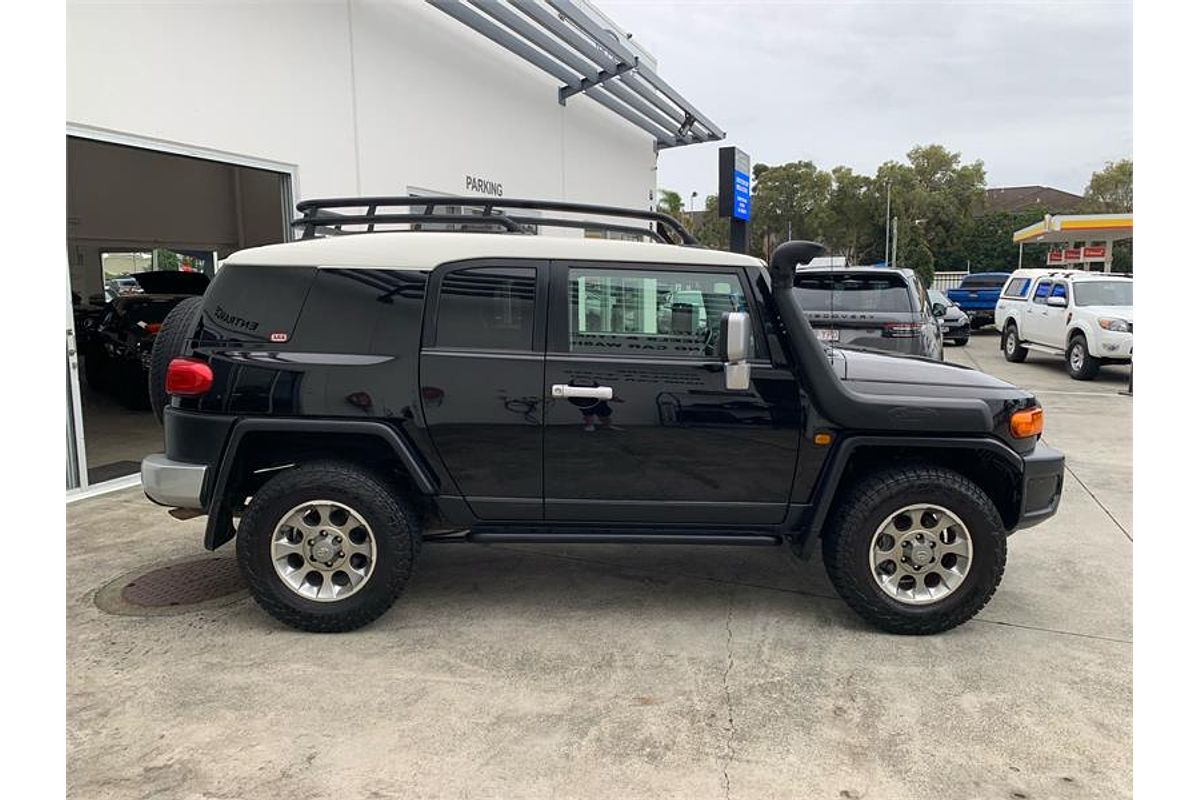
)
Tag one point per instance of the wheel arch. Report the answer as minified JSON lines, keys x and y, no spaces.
{"x":258,"y":448}
{"x":990,"y":464}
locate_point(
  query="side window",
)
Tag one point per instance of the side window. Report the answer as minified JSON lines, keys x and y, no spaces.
{"x":1017,"y":287}
{"x":1059,"y":290}
{"x":652,"y":313}
{"x":489,"y":308}
{"x":1040,"y":293}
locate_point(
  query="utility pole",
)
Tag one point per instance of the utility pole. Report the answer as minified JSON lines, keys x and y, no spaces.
{"x":895,"y":238}
{"x":887,"y":221}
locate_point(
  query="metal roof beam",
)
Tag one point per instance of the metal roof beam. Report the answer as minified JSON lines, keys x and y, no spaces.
{"x":617,"y":48}
{"x":537,"y":12}
{"x":665,"y":138}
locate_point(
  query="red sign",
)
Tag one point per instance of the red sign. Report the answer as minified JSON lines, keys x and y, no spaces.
{"x":1054,"y":257}
{"x":1095,"y":253}
{"x":1072,"y":254}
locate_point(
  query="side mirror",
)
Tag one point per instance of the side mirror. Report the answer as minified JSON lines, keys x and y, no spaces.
{"x":1056,"y":302}
{"x":939,"y":310}
{"x":733,"y":347}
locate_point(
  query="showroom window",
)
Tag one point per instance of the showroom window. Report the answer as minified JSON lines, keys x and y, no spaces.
{"x":487,"y":308}
{"x":657,"y":313}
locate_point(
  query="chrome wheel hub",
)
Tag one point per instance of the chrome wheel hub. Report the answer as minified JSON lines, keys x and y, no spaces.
{"x":921,"y":554}
{"x":1077,"y":357}
{"x":323,"y":550}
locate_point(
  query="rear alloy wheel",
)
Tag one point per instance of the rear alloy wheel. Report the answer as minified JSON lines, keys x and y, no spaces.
{"x":1013,"y":351}
{"x":915,"y":550}
{"x":327,"y":546}
{"x":1080,"y":363}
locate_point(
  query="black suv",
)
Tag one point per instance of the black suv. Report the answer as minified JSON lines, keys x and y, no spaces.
{"x":339,"y":401}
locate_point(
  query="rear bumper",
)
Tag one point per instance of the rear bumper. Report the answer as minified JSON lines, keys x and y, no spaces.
{"x":178,"y":484}
{"x":1041,"y":485}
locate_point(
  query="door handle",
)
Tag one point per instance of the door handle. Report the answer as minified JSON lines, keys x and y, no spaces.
{"x":592,"y":392}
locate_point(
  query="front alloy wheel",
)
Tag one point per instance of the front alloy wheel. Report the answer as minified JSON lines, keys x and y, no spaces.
{"x":916,"y":549}
{"x":921,"y":554}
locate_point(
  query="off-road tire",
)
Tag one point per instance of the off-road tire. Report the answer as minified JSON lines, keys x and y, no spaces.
{"x":170,"y":341}
{"x":1010,"y":343}
{"x":867,"y":504}
{"x":1090,"y":367}
{"x":397,"y":539}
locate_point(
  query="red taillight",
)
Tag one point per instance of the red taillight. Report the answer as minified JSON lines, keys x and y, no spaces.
{"x":153,"y":327}
{"x":901,"y":329}
{"x":188,"y":377}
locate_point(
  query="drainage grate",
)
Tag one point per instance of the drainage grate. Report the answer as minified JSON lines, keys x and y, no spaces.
{"x":174,"y":587}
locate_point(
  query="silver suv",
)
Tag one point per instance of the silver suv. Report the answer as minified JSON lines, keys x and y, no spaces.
{"x":872,"y":308}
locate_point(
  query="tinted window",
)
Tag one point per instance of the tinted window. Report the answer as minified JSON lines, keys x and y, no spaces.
{"x":657,"y":313}
{"x":983,"y":281}
{"x":1017,"y":287}
{"x":1104,"y":293}
{"x":1039,"y":294}
{"x":853,"y":291}
{"x":1059,"y":290}
{"x":489,"y":308}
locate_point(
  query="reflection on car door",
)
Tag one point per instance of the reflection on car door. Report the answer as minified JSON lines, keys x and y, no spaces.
{"x":482,"y":365}
{"x":662,"y":448}
{"x":1037,"y":317}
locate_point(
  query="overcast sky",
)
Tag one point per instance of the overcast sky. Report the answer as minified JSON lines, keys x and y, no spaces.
{"x":1041,"y":91}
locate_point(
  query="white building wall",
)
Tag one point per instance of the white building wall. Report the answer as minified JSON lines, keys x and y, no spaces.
{"x":362,"y":97}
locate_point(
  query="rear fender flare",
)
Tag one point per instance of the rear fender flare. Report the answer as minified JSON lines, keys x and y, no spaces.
{"x":220,"y":520}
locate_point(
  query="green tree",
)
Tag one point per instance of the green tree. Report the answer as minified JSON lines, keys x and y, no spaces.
{"x":853,"y":222}
{"x":787,"y":201}
{"x":711,"y":230}
{"x":1110,"y":191}
{"x":669,"y":202}
{"x":167,"y":260}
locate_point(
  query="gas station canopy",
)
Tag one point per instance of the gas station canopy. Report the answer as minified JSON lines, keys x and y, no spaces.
{"x":1088,"y":237}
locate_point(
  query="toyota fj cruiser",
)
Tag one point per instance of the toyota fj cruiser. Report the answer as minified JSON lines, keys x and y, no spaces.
{"x":339,"y":401}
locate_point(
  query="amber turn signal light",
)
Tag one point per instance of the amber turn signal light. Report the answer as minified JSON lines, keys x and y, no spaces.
{"x":1025,"y":423}
{"x":822,"y":439}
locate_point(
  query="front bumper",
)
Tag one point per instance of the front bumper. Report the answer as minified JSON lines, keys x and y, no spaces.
{"x":1041,"y":485}
{"x":178,"y":484}
{"x":1114,"y":344}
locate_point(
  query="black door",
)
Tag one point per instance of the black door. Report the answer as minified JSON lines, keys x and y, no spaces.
{"x":669,"y":443}
{"x":482,"y":373}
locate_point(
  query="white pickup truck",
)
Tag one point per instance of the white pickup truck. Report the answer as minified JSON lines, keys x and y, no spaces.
{"x":1087,"y":317}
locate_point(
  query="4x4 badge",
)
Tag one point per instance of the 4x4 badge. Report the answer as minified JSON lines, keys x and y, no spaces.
{"x":279,"y":336}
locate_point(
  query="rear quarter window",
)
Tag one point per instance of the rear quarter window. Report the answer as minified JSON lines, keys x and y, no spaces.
{"x":1017,"y":288}
{"x":249,"y":302}
{"x":854,"y":291}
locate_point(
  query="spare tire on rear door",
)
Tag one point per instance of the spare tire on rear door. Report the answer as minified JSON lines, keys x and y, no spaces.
{"x":171,"y":341}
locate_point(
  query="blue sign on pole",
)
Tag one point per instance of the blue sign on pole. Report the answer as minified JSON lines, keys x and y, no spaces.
{"x":741,"y":195}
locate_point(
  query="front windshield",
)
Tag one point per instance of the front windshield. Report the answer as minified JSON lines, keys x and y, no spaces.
{"x":1104,"y":293}
{"x":936,"y":296}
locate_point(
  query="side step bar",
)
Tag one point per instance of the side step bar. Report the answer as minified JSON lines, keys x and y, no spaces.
{"x":515,"y":535}
{"x":1041,"y":348}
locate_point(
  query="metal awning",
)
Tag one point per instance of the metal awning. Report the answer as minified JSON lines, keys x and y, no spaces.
{"x":562,"y":39}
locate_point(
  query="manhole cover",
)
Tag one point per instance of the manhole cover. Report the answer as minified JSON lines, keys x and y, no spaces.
{"x":174,"y":587}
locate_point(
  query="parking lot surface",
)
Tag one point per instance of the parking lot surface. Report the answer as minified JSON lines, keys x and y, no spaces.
{"x":593,"y":671}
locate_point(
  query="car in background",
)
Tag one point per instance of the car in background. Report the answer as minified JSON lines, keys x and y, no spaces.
{"x":956,"y":325}
{"x":1085,"y":317}
{"x":977,"y":296}
{"x":115,"y":343}
{"x":870,"y":308}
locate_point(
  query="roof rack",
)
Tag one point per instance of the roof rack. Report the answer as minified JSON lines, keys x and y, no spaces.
{"x":329,"y":216}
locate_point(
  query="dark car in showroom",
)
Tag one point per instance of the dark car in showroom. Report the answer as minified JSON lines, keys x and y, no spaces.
{"x":956,"y":325}
{"x":116,"y":343}
{"x":871,"y":308}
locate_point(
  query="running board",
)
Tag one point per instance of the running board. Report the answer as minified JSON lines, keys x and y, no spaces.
{"x":1042,"y":348}
{"x":549,"y":535}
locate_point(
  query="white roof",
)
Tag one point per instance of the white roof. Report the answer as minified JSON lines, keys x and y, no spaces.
{"x":1074,"y":275}
{"x":423,"y":250}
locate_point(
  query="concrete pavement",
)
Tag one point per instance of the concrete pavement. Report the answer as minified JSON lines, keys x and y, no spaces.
{"x":626,"y":672}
